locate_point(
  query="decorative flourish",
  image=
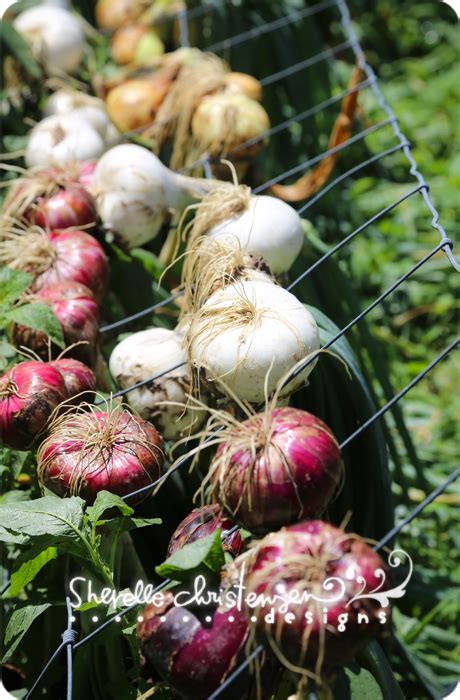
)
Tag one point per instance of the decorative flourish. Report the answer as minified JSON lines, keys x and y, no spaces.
{"x":383,"y":597}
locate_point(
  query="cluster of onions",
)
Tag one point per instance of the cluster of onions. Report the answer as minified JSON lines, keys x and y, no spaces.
{"x":32,"y":390}
{"x":338,"y":571}
{"x":88,"y":450}
{"x":70,"y":271}
{"x":54,"y":198}
{"x":76,"y":128}
{"x":55,"y":36}
{"x":204,"y":521}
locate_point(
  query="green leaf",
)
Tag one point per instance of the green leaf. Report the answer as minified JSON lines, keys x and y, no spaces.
{"x":375,"y":661}
{"x":14,"y":44}
{"x":206,"y":553}
{"x":13,"y":283}
{"x":55,"y":518}
{"x":28,"y":566}
{"x":18,"y":624}
{"x":105,"y":501}
{"x":39,"y":317}
{"x":356,"y":683}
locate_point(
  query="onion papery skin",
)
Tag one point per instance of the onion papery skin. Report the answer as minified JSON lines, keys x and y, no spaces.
{"x":29,"y":392}
{"x":55,"y":36}
{"x":146,"y":354}
{"x":112,"y":14}
{"x":202,"y":522}
{"x":242,"y":82}
{"x":79,"y":379}
{"x":223,"y":121}
{"x":78,"y":258}
{"x":302,"y":557}
{"x":268,"y":228}
{"x":193,"y":658}
{"x":134,"y":103}
{"x":94,"y":451}
{"x":247,"y":331}
{"x":78,"y":313}
{"x":136,"y":43}
{"x":291,"y":475}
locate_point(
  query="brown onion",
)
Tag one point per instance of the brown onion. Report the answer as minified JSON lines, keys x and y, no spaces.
{"x":112,"y":14}
{"x":242,"y":82}
{"x":134,"y":103}
{"x":135,"y":43}
{"x":89,"y":450}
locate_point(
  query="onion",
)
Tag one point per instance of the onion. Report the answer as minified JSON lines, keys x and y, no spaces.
{"x":55,"y":36}
{"x":135,"y":193}
{"x":146,"y":354}
{"x":90,"y":108}
{"x":136,"y":43}
{"x":58,"y":256}
{"x":192,"y":657}
{"x":303,"y":558}
{"x":202,"y":522}
{"x":29,"y":392}
{"x":88,"y":451}
{"x":86,"y":173}
{"x":242,"y":82}
{"x":63,"y":139}
{"x":268,"y":228}
{"x":134,"y":103}
{"x":78,"y":378}
{"x":225,"y":120}
{"x":76,"y":310}
{"x":52,"y":198}
{"x":275,"y":468}
{"x":247,"y":336}
{"x":112,"y":14}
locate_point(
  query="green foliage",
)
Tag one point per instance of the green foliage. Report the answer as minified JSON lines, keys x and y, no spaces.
{"x":203,"y":556}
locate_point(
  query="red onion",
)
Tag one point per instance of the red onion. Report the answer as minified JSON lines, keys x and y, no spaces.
{"x":302,"y":558}
{"x":77,"y":312}
{"x":52,"y":198}
{"x":86,"y":173}
{"x":88,"y":451}
{"x":193,"y":658}
{"x":29,"y":392}
{"x":78,"y":378}
{"x":202,"y":522}
{"x":275,"y":468}
{"x":69,"y":255}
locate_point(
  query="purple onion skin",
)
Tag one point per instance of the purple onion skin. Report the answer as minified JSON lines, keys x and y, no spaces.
{"x":264,"y":494}
{"x":78,"y":378}
{"x":202,"y":522}
{"x":193,"y":658}
{"x":121,"y":467}
{"x":78,"y":313}
{"x":71,"y":206}
{"x":29,"y":392}
{"x":343,"y":556}
{"x":79,"y":258}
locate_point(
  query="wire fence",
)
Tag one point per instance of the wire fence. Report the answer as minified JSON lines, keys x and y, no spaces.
{"x":69,"y":638}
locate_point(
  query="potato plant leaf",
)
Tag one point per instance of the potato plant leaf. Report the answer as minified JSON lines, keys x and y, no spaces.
{"x":19,"y":623}
{"x":28,"y":565}
{"x":51,"y":517}
{"x":13,"y":283}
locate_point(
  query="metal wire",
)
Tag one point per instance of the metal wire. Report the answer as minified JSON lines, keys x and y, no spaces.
{"x":445,"y":244}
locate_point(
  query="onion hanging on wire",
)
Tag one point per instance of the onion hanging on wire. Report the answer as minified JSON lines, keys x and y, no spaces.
{"x":58,"y":256}
{"x":89,"y":450}
{"x":247,"y":336}
{"x":55,"y":36}
{"x":62,"y":139}
{"x":146,"y":354}
{"x":202,"y":522}
{"x":79,"y":379}
{"x":136,"y":193}
{"x":275,"y":468}
{"x":329,"y":626}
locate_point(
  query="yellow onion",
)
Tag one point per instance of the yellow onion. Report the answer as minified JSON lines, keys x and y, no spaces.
{"x":242,"y":82}
{"x":135,"y":43}
{"x":134,"y":104}
{"x":225,"y":120}
{"x":112,"y":14}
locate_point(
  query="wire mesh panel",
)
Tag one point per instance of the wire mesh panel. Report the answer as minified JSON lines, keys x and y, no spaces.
{"x":296,"y":144}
